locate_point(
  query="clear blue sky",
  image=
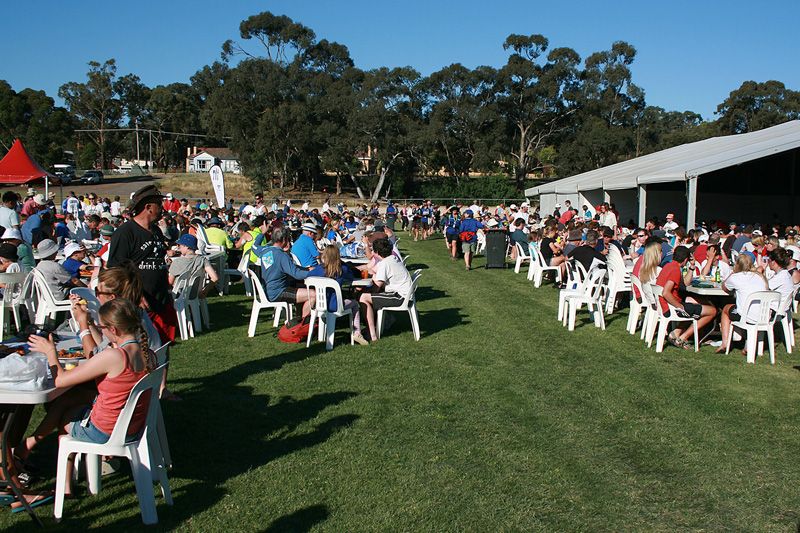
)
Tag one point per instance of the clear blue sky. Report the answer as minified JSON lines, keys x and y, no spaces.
{"x":691,"y":54}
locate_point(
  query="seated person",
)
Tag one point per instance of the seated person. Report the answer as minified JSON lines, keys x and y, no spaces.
{"x":58,"y":279}
{"x":552,"y":249}
{"x":280,"y":274}
{"x":216,"y":235}
{"x":8,"y":259}
{"x":331,"y":266}
{"x":586,"y":254}
{"x":115,"y":370}
{"x":673,"y":278}
{"x":305,"y":247}
{"x":390,"y":276}
{"x":518,"y":236}
{"x":745,"y":280}
{"x":75,"y":254}
{"x":24,"y":250}
{"x":574,"y":239}
{"x":191,"y":263}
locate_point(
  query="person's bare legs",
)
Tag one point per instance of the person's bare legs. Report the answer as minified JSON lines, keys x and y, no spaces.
{"x":724,"y":326}
{"x":706,"y":317}
{"x":68,"y":402}
{"x":307,"y":297}
{"x":366,"y":299}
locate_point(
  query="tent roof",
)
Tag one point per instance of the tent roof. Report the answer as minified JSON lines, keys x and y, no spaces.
{"x":680,"y":162}
{"x":18,"y":167}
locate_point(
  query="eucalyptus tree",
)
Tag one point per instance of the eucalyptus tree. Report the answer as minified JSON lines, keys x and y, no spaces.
{"x":754,"y":106}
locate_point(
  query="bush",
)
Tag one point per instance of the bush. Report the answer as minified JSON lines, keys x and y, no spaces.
{"x":482,"y":187}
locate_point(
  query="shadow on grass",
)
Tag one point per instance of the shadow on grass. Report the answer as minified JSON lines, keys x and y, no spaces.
{"x":300,"y":520}
{"x":221,"y":430}
{"x":430,"y":322}
{"x":429,"y":293}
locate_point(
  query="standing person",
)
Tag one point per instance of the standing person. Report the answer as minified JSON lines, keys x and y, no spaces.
{"x":391,"y":215}
{"x":116,"y":207}
{"x":468,"y":235}
{"x":451,"y":224}
{"x":141,"y":241}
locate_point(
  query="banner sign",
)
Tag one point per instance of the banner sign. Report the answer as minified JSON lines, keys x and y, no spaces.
{"x":218,"y":182}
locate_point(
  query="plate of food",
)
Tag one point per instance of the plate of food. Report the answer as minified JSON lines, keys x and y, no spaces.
{"x":71,"y":355}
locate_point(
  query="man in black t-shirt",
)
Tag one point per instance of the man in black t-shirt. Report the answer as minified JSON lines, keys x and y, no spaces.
{"x":586,"y":253}
{"x":141,"y":241}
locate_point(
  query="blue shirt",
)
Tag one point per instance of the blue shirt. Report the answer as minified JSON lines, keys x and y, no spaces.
{"x":32,"y":223}
{"x":72,"y":266}
{"x":305,"y":250}
{"x":347,"y":275}
{"x":471,"y":225}
{"x":451,"y":225}
{"x":278,"y":271}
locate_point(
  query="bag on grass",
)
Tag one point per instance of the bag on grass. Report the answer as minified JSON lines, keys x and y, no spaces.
{"x":294,"y":331}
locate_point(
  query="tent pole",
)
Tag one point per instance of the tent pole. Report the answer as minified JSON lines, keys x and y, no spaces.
{"x":642,"y":205}
{"x":606,"y":196}
{"x":691,"y":210}
{"x":792,"y":185}
{"x":46,"y":189}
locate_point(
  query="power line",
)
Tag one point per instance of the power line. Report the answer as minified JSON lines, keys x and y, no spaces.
{"x":155,"y":131}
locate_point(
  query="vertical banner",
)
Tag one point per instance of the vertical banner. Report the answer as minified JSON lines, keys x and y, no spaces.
{"x":218,"y":182}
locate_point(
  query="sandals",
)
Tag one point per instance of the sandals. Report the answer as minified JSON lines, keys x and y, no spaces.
{"x":677,"y":341}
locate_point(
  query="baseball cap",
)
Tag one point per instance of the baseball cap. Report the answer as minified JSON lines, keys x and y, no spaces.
{"x":575,"y":235}
{"x":71,"y":248}
{"x":308,"y":226}
{"x":107,"y":230}
{"x":190,"y":241}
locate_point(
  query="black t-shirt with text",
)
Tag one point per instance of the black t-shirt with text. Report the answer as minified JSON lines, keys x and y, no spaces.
{"x":147,"y":249}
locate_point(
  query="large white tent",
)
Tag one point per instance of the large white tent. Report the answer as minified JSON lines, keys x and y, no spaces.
{"x":626,"y":184}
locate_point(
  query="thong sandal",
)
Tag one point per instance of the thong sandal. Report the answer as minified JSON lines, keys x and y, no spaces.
{"x":39,"y":499}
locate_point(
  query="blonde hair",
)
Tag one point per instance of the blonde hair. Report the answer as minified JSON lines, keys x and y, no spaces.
{"x":650,"y":261}
{"x":744,"y":263}
{"x":124,"y":281}
{"x":332,"y":261}
{"x":757,"y":241}
{"x":125,"y":317}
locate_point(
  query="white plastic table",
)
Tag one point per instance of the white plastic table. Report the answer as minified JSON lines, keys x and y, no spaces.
{"x":716,"y":290}
{"x":355,"y":260}
{"x":362,"y":282}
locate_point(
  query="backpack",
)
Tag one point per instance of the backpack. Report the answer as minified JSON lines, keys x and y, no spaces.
{"x":295,"y":330}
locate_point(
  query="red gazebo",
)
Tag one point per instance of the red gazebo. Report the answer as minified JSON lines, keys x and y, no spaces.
{"x":18,"y":168}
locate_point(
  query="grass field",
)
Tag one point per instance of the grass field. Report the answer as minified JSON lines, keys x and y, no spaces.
{"x":498,"y":419}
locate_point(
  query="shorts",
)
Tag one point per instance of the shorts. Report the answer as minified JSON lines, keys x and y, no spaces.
{"x":386,"y":299}
{"x":452,"y":237}
{"x":735,"y":316}
{"x":86,"y":432}
{"x":425,"y":225}
{"x":288,"y":295}
{"x":693,"y":309}
{"x":469,"y":247}
{"x":165,"y":322}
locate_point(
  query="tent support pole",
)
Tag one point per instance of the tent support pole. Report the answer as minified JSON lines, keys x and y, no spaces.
{"x":792,"y":184}
{"x":691,"y":210}
{"x":642,"y":205}
{"x":606,"y":196}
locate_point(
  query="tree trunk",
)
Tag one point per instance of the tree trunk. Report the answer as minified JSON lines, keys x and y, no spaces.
{"x":357,"y":186}
{"x":338,"y":184}
{"x":379,"y":186}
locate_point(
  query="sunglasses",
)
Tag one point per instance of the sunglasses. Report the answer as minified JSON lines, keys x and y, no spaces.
{"x":98,"y":292}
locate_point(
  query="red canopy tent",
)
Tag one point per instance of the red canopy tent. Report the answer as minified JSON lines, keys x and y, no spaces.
{"x":17,"y":167}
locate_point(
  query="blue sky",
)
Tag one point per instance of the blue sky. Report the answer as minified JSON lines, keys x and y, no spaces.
{"x":691,"y":54}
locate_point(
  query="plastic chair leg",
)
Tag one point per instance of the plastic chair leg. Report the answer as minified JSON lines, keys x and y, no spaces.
{"x":696,"y":336}
{"x":752,"y":346}
{"x":163,"y":443}
{"x":93,"y":473}
{"x":251,"y":329}
{"x":573,"y":311}
{"x":380,"y":323}
{"x":771,"y":341}
{"x":61,"y":483}
{"x":412,"y":313}
{"x":310,"y":330}
{"x":143,"y":480}
{"x":330,"y":330}
{"x":661,"y":335}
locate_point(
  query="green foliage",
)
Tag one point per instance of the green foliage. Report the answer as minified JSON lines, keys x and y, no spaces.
{"x":755,"y":106}
{"x":481,"y":187}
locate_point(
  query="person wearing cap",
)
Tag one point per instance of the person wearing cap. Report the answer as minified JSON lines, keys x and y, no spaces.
{"x":24,"y":250}
{"x":468,"y":235}
{"x":9,"y":219}
{"x":141,"y":241}
{"x":106,"y":232}
{"x":171,"y":204}
{"x":305,"y":247}
{"x":217,"y":235}
{"x":191,"y":263}
{"x":34,"y":220}
{"x":451,"y":223}
{"x":32,"y":204}
{"x":75,"y":254}
{"x":574,"y":239}
{"x":56,"y":276}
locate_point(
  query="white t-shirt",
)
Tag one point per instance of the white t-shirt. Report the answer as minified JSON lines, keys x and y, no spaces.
{"x":326,"y":207}
{"x":782,"y":282}
{"x":8,"y":218}
{"x":745,"y":284}
{"x":93,"y":209}
{"x":115,"y":208}
{"x":73,"y":205}
{"x":724,"y":268}
{"x":304,"y":207}
{"x":394,"y":274}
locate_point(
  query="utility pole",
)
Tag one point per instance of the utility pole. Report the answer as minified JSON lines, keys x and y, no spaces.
{"x":150,"y":156}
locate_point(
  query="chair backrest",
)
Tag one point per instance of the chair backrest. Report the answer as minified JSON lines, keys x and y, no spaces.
{"x":13,"y":286}
{"x":637,"y":285}
{"x":259,"y":295}
{"x":521,"y":250}
{"x":151,"y":382}
{"x":593,"y":285}
{"x":181,"y":283}
{"x":540,"y":258}
{"x":766,"y":302}
{"x":321,"y":285}
{"x":412,"y":294}
{"x":582,"y":273}
{"x":295,"y":259}
{"x":161,"y":354}
{"x":195,"y":285}
{"x":243,"y":262}
{"x":92,"y":303}
{"x":42,"y":288}
{"x":573,"y":277}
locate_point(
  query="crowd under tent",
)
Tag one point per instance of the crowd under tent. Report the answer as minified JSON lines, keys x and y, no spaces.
{"x":750,"y":177}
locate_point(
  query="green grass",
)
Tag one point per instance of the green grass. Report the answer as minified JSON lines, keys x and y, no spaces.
{"x":498,"y":419}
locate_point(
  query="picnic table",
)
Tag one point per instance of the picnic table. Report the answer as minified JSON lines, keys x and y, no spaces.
{"x":703,"y":287}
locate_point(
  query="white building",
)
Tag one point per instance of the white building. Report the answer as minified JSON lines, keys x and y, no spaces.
{"x":199,"y":159}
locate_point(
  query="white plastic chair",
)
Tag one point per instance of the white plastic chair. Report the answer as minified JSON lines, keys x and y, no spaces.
{"x":11,"y":300}
{"x":766,"y":301}
{"x":522,"y":257}
{"x":180,"y":290}
{"x":664,"y":319}
{"x":239,"y":272}
{"x":787,"y":321}
{"x":590,"y":296}
{"x":92,"y":303}
{"x":619,"y":278}
{"x":538,"y":267}
{"x":46,"y":303}
{"x":637,"y":305}
{"x":479,"y":249}
{"x":321,"y":314}
{"x":574,"y":286}
{"x":409,"y":305}
{"x":143,"y":452}
{"x":260,"y":302}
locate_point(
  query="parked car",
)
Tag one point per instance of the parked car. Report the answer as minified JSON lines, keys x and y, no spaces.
{"x":92,"y":176}
{"x":65,"y":173}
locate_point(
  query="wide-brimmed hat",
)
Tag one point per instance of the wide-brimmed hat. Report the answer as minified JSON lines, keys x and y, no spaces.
{"x":148,"y":193}
{"x":308,"y":226}
{"x":39,"y":199}
{"x":795,"y":250}
{"x":45,"y":249}
{"x":107,"y":230}
{"x":12,"y":233}
{"x":169,"y":196}
{"x":190,"y":241}
{"x":71,"y":248}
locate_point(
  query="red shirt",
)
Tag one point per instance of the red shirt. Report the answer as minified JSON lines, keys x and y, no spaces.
{"x":567,"y":216}
{"x":172,"y":205}
{"x":700,"y":252}
{"x":637,"y":266}
{"x":671,"y":272}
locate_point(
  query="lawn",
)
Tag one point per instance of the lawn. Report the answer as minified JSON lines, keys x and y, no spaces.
{"x":498,"y":419}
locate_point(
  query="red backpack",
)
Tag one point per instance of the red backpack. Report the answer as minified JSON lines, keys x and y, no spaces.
{"x":295,"y":330}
